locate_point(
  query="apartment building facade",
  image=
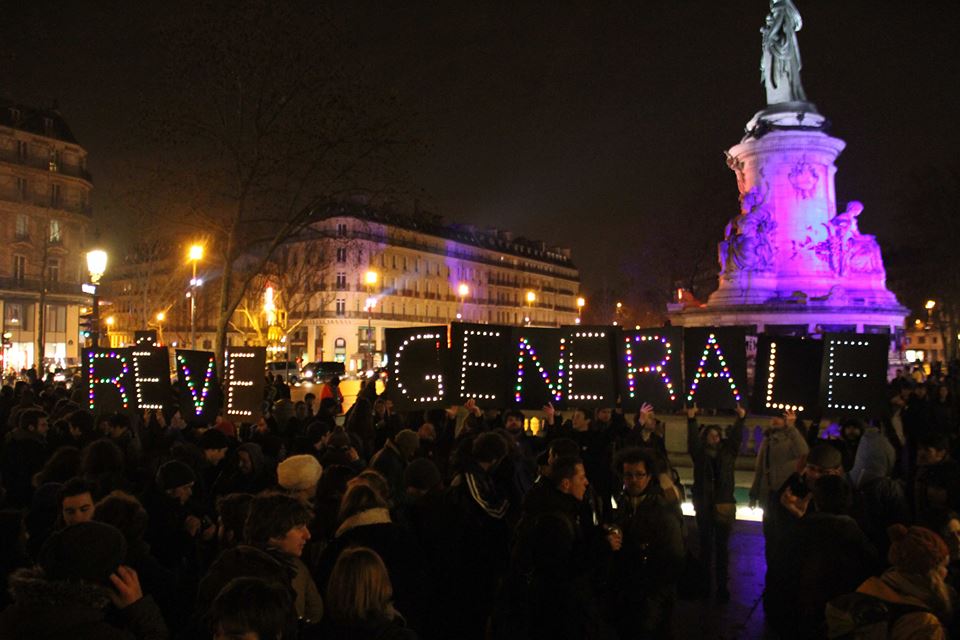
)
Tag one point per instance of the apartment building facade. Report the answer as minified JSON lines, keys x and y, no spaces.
{"x":45,"y":211}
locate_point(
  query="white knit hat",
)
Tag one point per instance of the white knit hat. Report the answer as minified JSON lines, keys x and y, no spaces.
{"x":298,"y":473}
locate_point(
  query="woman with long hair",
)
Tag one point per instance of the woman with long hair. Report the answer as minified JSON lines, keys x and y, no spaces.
{"x":360,"y":599}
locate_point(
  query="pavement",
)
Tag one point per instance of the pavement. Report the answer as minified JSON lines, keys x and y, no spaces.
{"x":742,"y":617}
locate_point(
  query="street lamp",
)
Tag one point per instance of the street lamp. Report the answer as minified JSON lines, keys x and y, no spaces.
{"x":371,"y":278}
{"x":194,"y":255}
{"x":929,"y":307}
{"x":161,"y":316}
{"x":463,"y":290}
{"x":97,"y":266}
{"x":531,"y":298}
{"x":581,"y":303}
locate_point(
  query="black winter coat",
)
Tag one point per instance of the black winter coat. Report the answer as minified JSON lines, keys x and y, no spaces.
{"x":61,"y":610}
{"x":713,"y":477}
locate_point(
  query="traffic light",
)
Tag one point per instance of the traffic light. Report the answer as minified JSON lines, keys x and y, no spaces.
{"x":89,"y":329}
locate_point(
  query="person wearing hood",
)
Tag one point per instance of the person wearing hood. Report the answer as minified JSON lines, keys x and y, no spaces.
{"x":913,"y":590}
{"x":78,"y":581}
{"x":714,"y":464}
{"x":248,"y":472}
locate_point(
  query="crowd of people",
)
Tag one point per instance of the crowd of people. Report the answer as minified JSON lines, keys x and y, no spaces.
{"x":461,"y":522}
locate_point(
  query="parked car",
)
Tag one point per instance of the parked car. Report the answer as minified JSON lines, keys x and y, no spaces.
{"x":288,"y":369}
{"x":320,"y":372}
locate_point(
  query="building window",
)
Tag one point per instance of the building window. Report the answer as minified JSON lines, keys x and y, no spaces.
{"x":341,"y":307}
{"x":15,"y":115}
{"x":19,"y":268}
{"x":54,"y":195}
{"x":22,"y":188}
{"x":341,"y":280}
{"x":55,"y":237}
{"x":56,"y":318}
{"x":21,"y":150}
{"x":922,"y":340}
{"x":339,"y":350}
{"x":394,"y":258}
{"x":53,"y":270}
{"x":48,"y":126}
{"x":54,"y":164}
{"x":341,"y":254}
{"x":23,"y":226}
{"x":341,"y":229}
{"x":13,"y":316}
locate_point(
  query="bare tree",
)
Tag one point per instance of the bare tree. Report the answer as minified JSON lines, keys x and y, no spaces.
{"x":271,"y":132}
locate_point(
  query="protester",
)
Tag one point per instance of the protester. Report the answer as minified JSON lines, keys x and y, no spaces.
{"x":360,"y":596}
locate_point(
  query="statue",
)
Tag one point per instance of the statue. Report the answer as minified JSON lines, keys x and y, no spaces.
{"x":746,"y":245}
{"x":780,"y":60}
{"x":847,"y":250}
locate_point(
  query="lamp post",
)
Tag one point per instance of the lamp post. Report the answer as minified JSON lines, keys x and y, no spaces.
{"x":619,"y":311}
{"x":929,"y":307}
{"x":531,"y":298}
{"x":110,"y":321}
{"x":161,"y":316}
{"x":370,"y":277}
{"x":581,"y":303}
{"x":96,"y":265}
{"x":463,"y":290}
{"x":195,"y":255}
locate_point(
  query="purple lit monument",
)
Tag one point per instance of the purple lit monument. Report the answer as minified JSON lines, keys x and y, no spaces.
{"x":789,"y":263}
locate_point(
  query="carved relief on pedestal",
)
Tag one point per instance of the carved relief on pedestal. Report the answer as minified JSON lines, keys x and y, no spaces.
{"x":737,"y":165}
{"x":748,"y":239}
{"x":846,"y":250}
{"x":804,"y":178}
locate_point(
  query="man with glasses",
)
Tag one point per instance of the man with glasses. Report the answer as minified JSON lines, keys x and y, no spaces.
{"x":644,"y":579}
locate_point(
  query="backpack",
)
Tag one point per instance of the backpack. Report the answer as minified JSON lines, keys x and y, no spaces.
{"x":858,"y":616}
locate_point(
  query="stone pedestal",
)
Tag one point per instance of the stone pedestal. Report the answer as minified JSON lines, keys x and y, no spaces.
{"x":788,"y":258}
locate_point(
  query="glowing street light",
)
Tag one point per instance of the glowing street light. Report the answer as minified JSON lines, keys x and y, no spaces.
{"x":581,"y":303}
{"x":194,"y":255}
{"x":463,"y":290}
{"x":531,"y":297}
{"x":96,"y":265}
{"x":370,"y":278}
{"x":929,"y":307}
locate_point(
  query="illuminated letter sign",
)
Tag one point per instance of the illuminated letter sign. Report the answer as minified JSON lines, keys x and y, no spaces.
{"x":854,"y":372}
{"x":480,"y":354}
{"x":107,"y":373}
{"x":535,"y":348}
{"x":244,"y":380}
{"x":196,"y":371}
{"x":151,"y":377}
{"x":652,"y":367}
{"x":715,"y":366}
{"x":416,"y":374}
{"x":591,"y":378}
{"x":787,"y":375}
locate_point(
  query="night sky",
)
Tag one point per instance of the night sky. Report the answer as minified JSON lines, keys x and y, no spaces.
{"x":596,"y":125}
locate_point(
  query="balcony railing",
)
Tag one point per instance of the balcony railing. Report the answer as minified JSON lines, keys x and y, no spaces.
{"x":33,"y":286}
{"x":43,"y":164}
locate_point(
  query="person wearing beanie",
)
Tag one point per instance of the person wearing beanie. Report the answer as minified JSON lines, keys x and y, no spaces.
{"x":915,"y":581}
{"x":214,"y":444}
{"x":173,"y":528}
{"x":299,"y":476}
{"x":393,"y":458}
{"x":78,"y":578}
